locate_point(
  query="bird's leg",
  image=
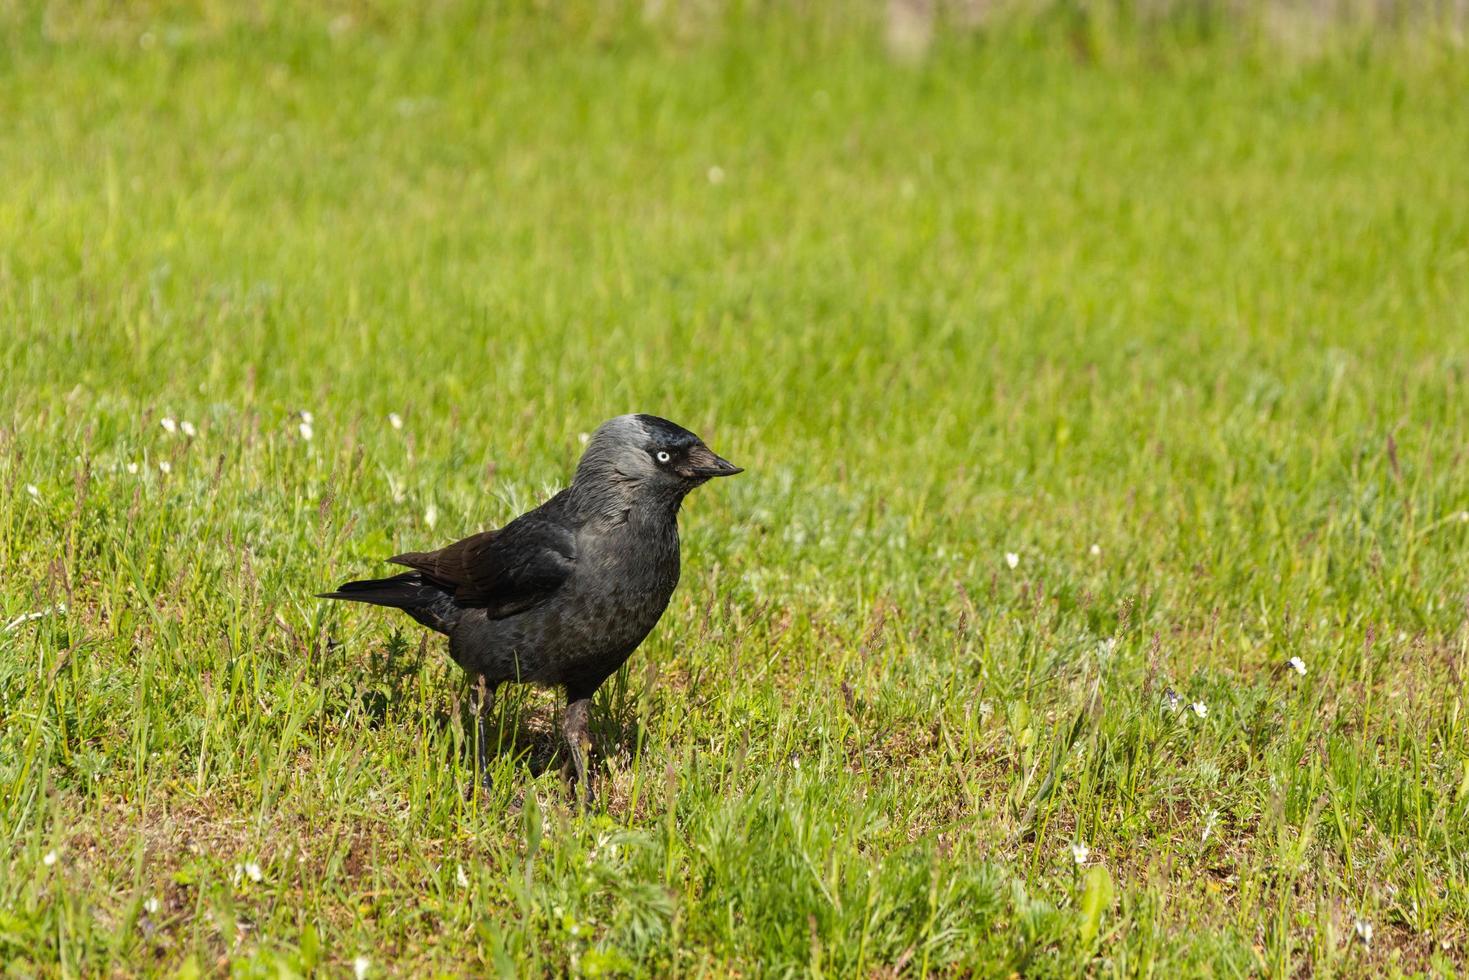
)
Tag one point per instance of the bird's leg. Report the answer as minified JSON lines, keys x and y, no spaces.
{"x":483,"y":702}
{"x":574,"y":727}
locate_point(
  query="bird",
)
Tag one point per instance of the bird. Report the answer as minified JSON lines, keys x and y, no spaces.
{"x":562,"y":595}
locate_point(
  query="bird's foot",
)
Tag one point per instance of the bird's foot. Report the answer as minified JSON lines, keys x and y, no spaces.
{"x":574,"y":726}
{"x":580,"y":785}
{"x":482,"y":705}
{"x":481,"y":784}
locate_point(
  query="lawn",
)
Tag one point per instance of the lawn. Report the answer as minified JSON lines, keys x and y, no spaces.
{"x":1086,"y":370}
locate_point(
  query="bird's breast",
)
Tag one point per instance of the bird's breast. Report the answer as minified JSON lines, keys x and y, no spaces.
{"x":628,"y":574}
{"x":631,"y":558}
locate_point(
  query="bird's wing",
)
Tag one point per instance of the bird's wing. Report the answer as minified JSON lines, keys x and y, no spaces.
{"x":506,"y":571}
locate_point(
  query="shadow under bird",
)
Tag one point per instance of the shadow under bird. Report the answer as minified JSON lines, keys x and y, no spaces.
{"x":563,"y":594}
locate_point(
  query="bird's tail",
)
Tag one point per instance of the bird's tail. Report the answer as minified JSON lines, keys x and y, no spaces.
{"x":425,"y":601}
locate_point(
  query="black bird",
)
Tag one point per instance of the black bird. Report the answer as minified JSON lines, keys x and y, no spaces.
{"x":563,"y":594}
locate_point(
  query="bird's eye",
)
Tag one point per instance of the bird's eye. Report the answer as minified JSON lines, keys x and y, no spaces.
{"x":663,"y":456}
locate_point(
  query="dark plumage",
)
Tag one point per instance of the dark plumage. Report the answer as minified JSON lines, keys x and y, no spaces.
{"x":562,"y":595}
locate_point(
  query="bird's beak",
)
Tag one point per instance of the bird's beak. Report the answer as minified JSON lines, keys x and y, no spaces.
{"x":704,"y":463}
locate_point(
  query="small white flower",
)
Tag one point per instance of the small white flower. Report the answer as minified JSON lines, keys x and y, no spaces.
{"x":716,"y":175}
{"x":1297,"y":664}
{"x":1200,"y":708}
{"x":360,"y":966}
{"x":305,"y":430}
{"x":1096,"y":551}
{"x":169,"y":425}
{"x":164,"y":466}
{"x":1080,"y":852}
{"x":584,"y":437}
{"x":1171,"y":700}
{"x":796,"y":762}
{"x":395,"y":420}
{"x":133,"y":468}
{"x":461,"y":877}
{"x":1464,"y":517}
{"x":151,"y":906}
{"x":50,"y":859}
{"x":431,"y":516}
{"x":306,"y":416}
{"x":249,"y":870}
{"x":187,"y":428}
{"x":1364,"y":931}
{"x":33,"y":490}
{"x":1012,"y":559}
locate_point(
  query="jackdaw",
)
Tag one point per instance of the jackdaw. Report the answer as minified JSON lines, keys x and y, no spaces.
{"x":563,"y":594}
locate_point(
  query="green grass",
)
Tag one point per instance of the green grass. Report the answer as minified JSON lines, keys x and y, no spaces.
{"x":1175,"y":316}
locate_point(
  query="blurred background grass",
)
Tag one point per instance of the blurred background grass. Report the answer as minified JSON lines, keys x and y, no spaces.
{"x":1166,"y":300}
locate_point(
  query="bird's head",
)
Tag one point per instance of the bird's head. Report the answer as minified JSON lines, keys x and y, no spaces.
{"x":652,"y":454}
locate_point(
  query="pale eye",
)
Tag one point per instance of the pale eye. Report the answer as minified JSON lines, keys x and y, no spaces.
{"x":663,"y":456}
